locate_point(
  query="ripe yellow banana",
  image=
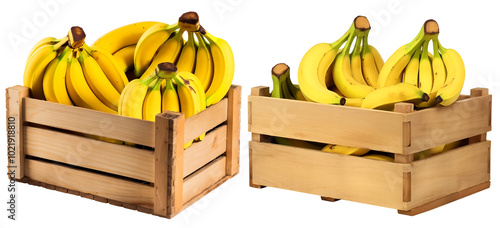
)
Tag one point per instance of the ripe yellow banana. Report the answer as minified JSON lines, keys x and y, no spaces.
{"x":43,"y":42}
{"x":168,"y":52}
{"x":455,"y":78}
{"x":425,"y":75}
{"x":204,"y":68}
{"x":125,"y":58}
{"x":148,"y":45}
{"x":347,"y":150}
{"x":133,"y":99}
{"x":411,"y":70}
{"x":385,"y":98}
{"x":369,"y":64}
{"x":54,"y":82}
{"x":170,"y":99}
{"x":378,"y":58}
{"x":198,"y":87}
{"x":124,"y":93}
{"x":123,"y":36}
{"x":356,"y":65}
{"x":223,"y":68}
{"x":109,"y":67}
{"x":380,"y":157}
{"x":354,"y":102}
{"x":98,"y":81}
{"x":187,"y":56}
{"x":80,"y":92}
{"x":189,"y":99}
{"x":152,"y":102}
{"x":438,"y":68}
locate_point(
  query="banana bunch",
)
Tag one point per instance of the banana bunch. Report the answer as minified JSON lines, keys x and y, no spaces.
{"x":164,"y":90}
{"x":206,"y":56}
{"x":441,"y":75}
{"x":70,"y":72}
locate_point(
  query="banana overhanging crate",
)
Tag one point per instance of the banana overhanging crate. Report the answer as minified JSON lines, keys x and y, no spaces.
{"x":411,"y":187}
{"x":53,"y":150}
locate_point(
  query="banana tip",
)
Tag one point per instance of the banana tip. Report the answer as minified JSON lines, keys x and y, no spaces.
{"x":425,"y":97}
{"x":342,"y":101}
{"x":439,"y":99}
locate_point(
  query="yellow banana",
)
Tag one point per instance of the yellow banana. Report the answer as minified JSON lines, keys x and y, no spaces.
{"x":125,"y":58}
{"x":170,"y":99}
{"x":189,"y":100}
{"x":356,"y":68}
{"x":347,"y":150}
{"x":378,"y":58}
{"x":411,"y":70}
{"x":369,"y":65}
{"x":455,"y":78}
{"x":354,"y":102}
{"x":133,"y":100}
{"x":125,"y":92}
{"x":54,"y":84}
{"x":187,"y":56}
{"x":298,"y":143}
{"x":43,"y":42}
{"x":438,"y":68}
{"x":425,"y":75}
{"x":196,"y":84}
{"x":385,"y":98}
{"x":380,"y":157}
{"x":123,"y":36}
{"x":152,"y":102}
{"x":204,"y":68}
{"x":109,"y":67}
{"x":169,"y":52}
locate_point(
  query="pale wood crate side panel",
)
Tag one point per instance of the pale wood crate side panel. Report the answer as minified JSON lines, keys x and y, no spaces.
{"x":449,"y":172}
{"x":205,"y":120}
{"x":201,"y":153}
{"x":374,"y":129}
{"x":90,"y":153}
{"x":95,"y":184}
{"x":90,"y":122}
{"x":326,"y":174}
{"x":440,"y":125}
{"x":202,"y":179}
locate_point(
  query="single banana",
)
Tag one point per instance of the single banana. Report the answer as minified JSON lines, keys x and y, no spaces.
{"x":168,"y":52}
{"x":54,"y":84}
{"x":455,"y":78}
{"x":170,"y":99}
{"x":123,"y":36}
{"x":354,"y":102}
{"x":347,"y":150}
{"x":378,"y":58}
{"x":385,"y":98}
{"x":204,"y":68}
{"x":223,"y":68}
{"x":425,"y":75}
{"x":149,"y":44}
{"x":356,"y":68}
{"x":152,"y":102}
{"x":133,"y":99}
{"x":187,"y":56}
{"x":98,"y":81}
{"x":196,"y":84}
{"x":80,"y":92}
{"x":36,"y":65}
{"x":411,"y":70}
{"x":125,"y":58}
{"x":124,"y":94}
{"x":438,"y":68}
{"x":109,"y":67}
{"x":369,"y":65}
{"x":295,"y":90}
{"x":188,"y":98}
{"x":43,"y":42}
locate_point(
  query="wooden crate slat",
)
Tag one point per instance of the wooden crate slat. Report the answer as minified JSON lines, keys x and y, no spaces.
{"x":328,"y":174}
{"x":378,"y":130}
{"x":90,"y":121}
{"x":205,"y":120}
{"x":90,"y":183}
{"x":204,"y":178}
{"x":233,"y":133}
{"x":15,"y":99}
{"x":197,"y":155}
{"x":449,"y":172}
{"x":439,"y":125}
{"x":90,"y":153}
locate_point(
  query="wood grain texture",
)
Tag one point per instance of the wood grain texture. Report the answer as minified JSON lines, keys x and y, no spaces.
{"x":204,"y":178}
{"x":15,"y":98}
{"x":256,"y":91}
{"x":233,"y":133}
{"x":206,"y":120}
{"x":90,"y":153}
{"x":201,"y":153}
{"x":90,"y":183}
{"x":329,"y":174}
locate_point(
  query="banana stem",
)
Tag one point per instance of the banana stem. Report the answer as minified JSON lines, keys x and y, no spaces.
{"x":166,"y":70}
{"x":76,"y":37}
{"x":353,"y":33}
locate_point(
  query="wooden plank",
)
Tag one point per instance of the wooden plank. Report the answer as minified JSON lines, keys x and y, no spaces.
{"x":452,"y":171}
{"x":328,"y":174}
{"x":439,"y":125}
{"x":15,"y":122}
{"x":333,"y":124}
{"x":201,"y":153}
{"x":446,"y":199}
{"x":169,"y":160}
{"x":89,"y":153}
{"x":90,"y":122}
{"x":205,"y":120}
{"x":233,"y":133}
{"x":256,"y":91}
{"x":204,"y":178}
{"x":90,"y":183}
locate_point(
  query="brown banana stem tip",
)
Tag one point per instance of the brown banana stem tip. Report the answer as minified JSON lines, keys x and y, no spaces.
{"x":190,"y":21}
{"x":167,"y":67}
{"x":76,"y":37}
{"x":280,"y":69}
{"x":431,"y":27}
{"x":361,"y":23}
{"x":425,"y":97}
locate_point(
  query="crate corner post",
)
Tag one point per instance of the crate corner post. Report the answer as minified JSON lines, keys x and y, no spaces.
{"x":233,"y":130}
{"x":256,"y":91}
{"x":15,"y":117}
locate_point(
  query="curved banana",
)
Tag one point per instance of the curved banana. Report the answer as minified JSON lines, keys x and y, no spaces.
{"x":369,"y":64}
{"x":169,"y":52}
{"x":223,"y":68}
{"x":36,"y":65}
{"x":152,"y":102}
{"x":125,"y":58}
{"x":438,"y":68}
{"x":125,"y":92}
{"x":411,"y":70}
{"x":109,"y":67}
{"x":189,"y":100}
{"x":187,"y":56}
{"x":355,"y":58}
{"x":204,"y":68}
{"x":347,"y":150}
{"x":133,"y":99}
{"x":43,"y":42}
{"x":80,"y":92}
{"x":148,"y":45}
{"x":385,"y":98}
{"x":123,"y":36}
{"x":455,"y":78}
{"x":98,"y":81}
{"x":425,"y":75}
{"x":378,"y":58}
{"x":170,"y":99}
{"x":54,"y":84}
{"x":198,"y":87}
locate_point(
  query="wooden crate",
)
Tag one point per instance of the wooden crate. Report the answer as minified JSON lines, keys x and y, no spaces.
{"x":409,"y":186}
{"x":53,"y":150}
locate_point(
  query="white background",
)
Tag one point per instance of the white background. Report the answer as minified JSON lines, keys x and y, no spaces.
{"x":261,"y":33}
